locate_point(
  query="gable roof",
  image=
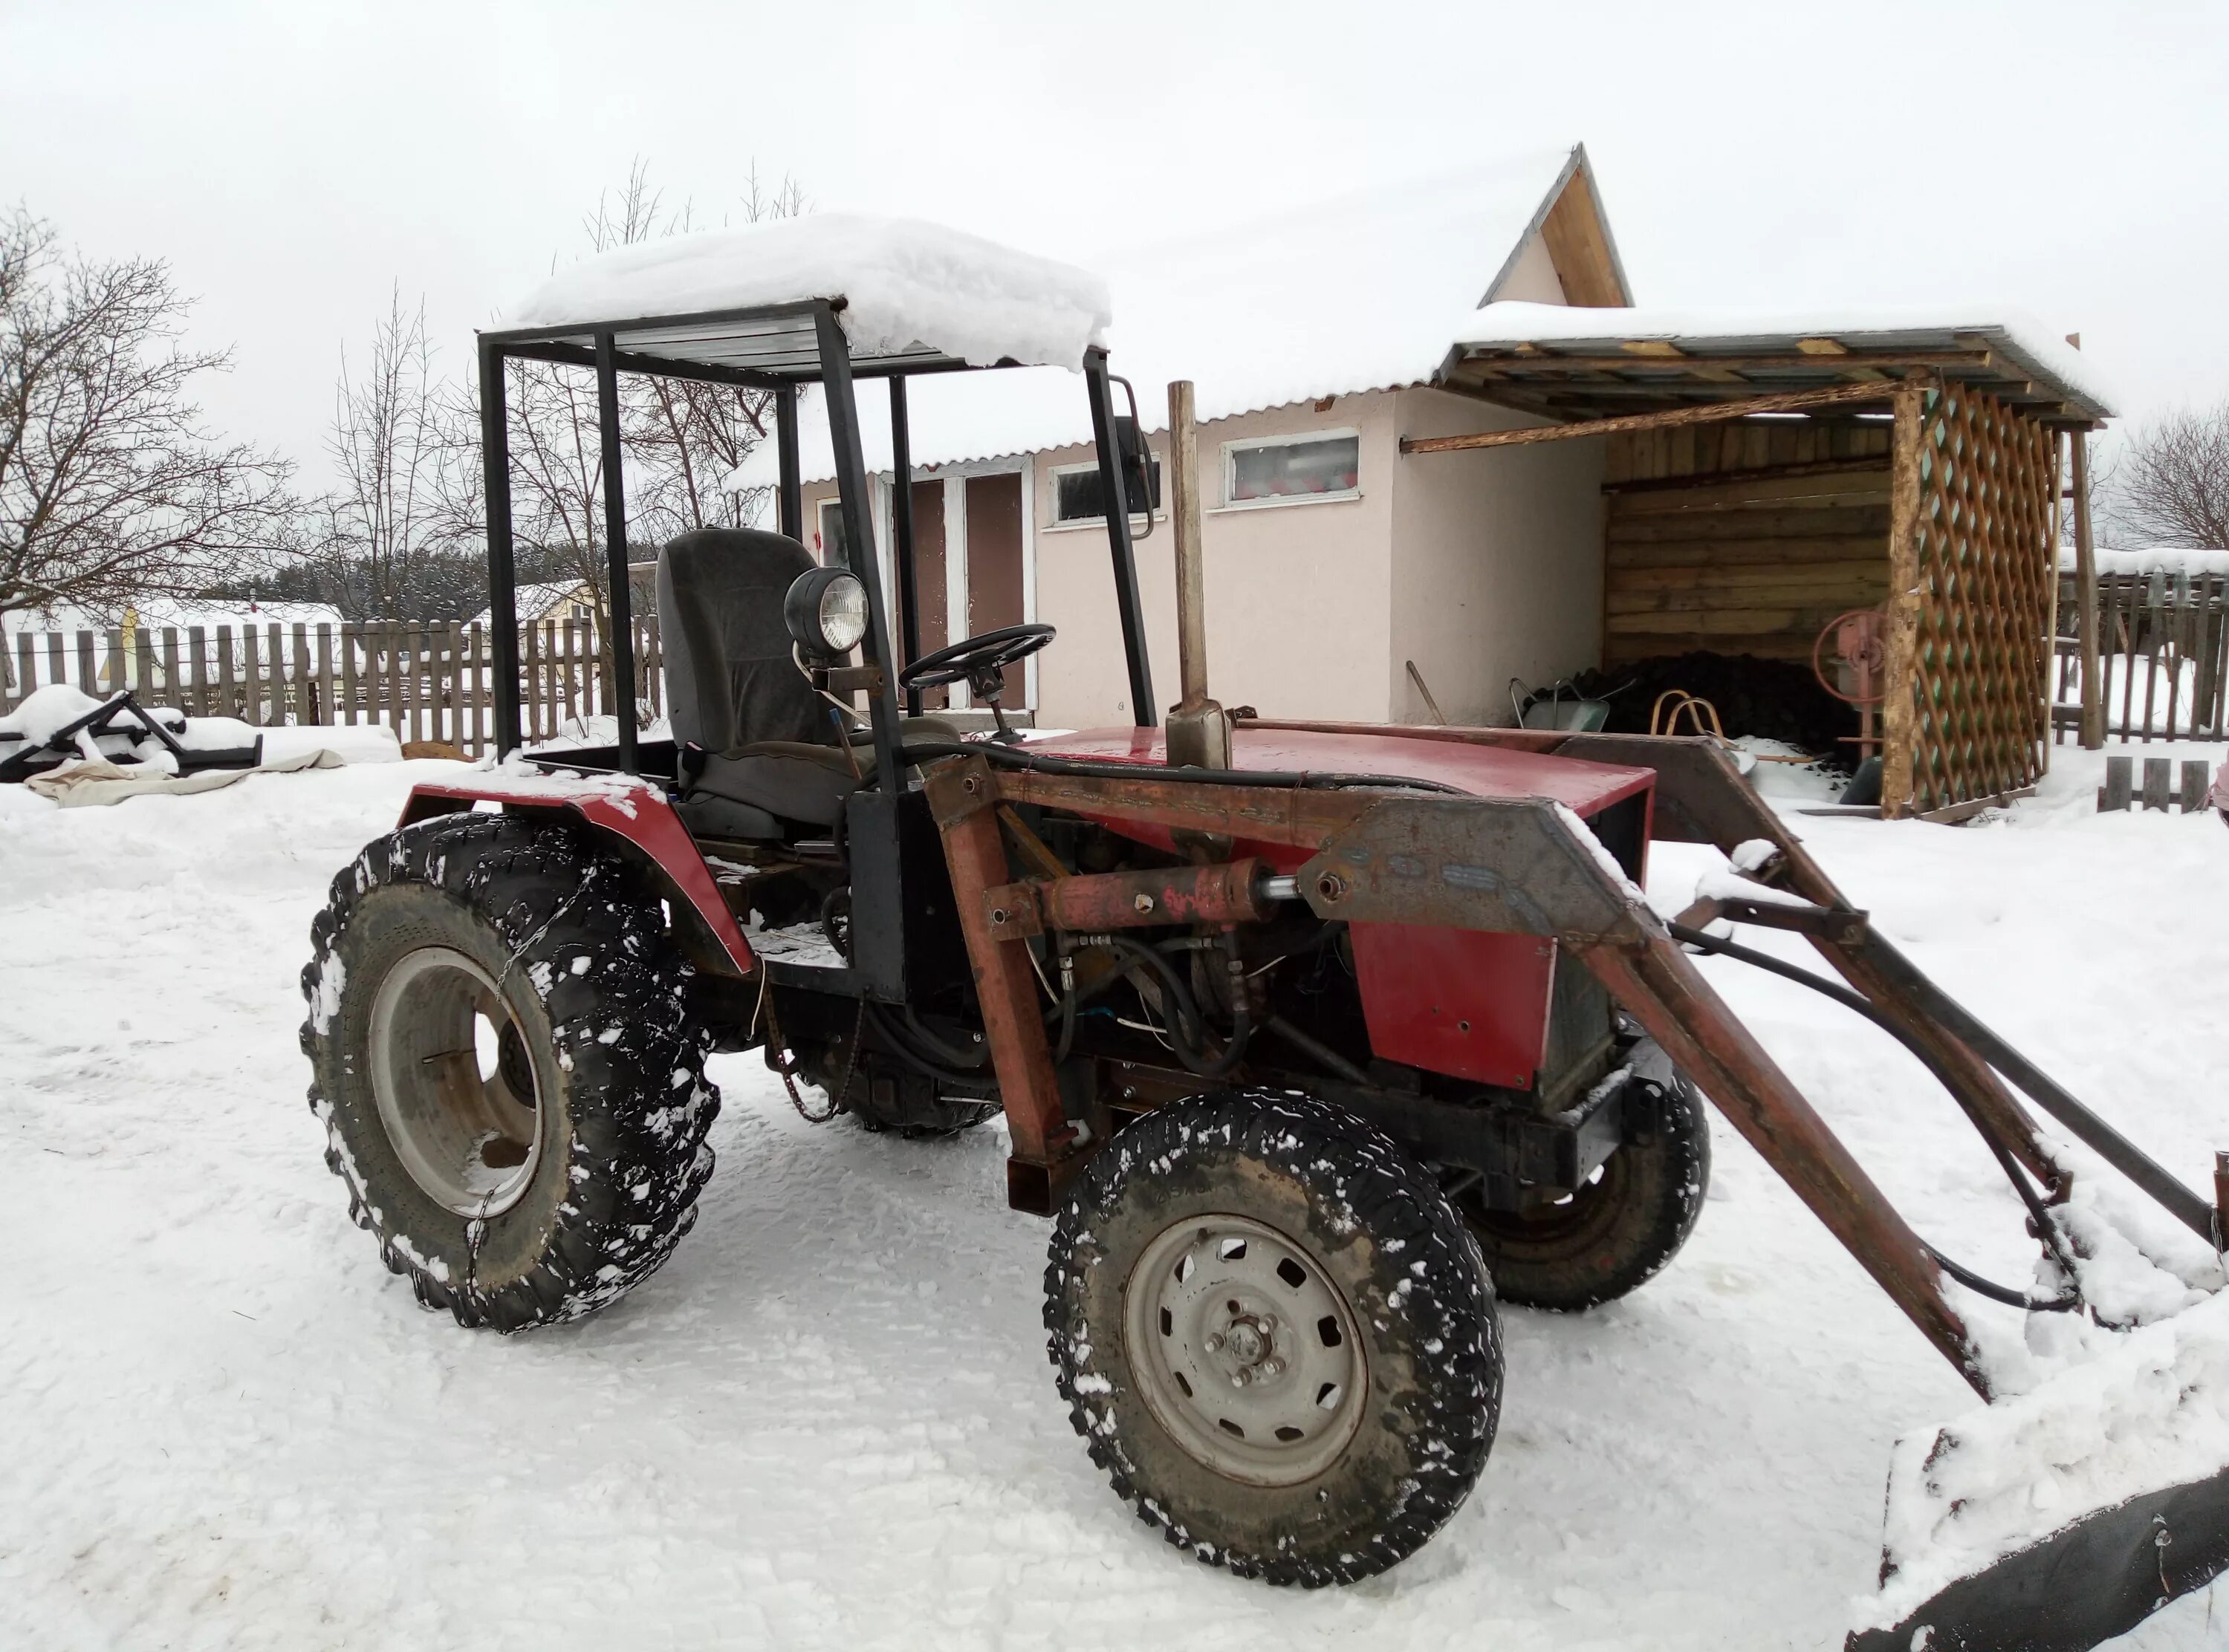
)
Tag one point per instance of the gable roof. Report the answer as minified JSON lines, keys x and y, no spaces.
{"x":1344,"y":295}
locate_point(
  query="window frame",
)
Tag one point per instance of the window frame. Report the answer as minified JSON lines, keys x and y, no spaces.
{"x":1061,"y":524}
{"x":1295,"y":439}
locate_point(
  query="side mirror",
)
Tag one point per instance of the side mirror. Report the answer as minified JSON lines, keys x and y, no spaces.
{"x":1142,"y":480}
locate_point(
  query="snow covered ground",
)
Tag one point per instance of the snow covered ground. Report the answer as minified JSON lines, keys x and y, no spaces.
{"x":829,"y":1422}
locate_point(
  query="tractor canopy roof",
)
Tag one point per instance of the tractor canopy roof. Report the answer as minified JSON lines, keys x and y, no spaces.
{"x":912,"y":297}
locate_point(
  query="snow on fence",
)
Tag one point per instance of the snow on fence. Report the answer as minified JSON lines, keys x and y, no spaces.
{"x":427,"y":682}
{"x":2163,"y":654}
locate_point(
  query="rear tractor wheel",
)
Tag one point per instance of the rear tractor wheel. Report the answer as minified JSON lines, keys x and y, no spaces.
{"x":1275,"y":1334}
{"x":511,"y":1081}
{"x":1615,"y":1233}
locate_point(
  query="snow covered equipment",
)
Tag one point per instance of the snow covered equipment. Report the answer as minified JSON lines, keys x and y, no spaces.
{"x":60,"y":724}
{"x":1311,"y":1054}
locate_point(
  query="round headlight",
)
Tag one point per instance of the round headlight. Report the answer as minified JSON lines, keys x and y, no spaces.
{"x":842,"y":613}
{"x":825,"y":611}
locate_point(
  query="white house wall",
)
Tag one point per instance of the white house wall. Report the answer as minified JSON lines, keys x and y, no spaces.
{"x":1298,"y":595}
{"x":1497,"y":563}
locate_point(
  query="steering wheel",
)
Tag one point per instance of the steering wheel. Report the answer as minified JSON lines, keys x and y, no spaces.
{"x":976,"y":661}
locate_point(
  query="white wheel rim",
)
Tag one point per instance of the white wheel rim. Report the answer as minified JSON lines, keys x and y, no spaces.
{"x":459,"y":1129}
{"x":1245,"y":1350}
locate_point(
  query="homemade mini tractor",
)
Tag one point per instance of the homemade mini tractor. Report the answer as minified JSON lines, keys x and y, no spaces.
{"x":1312,"y":1039}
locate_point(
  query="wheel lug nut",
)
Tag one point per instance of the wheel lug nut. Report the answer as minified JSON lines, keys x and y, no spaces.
{"x":1267,"y":1323}
{"x":1272,"y":1367}
{"x":1214,"y":1342}
{"x":1241,"y":1377}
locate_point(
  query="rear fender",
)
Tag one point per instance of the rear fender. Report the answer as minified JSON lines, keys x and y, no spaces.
{"x":633,"y":813}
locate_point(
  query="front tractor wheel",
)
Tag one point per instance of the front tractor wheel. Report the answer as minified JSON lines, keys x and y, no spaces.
{"x":1275,"y":1334}
{"x":511,"y":1085}
{"x":1617,"y":1233}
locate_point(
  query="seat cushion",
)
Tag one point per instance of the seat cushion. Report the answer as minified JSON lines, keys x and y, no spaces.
{"x":789,"y":779}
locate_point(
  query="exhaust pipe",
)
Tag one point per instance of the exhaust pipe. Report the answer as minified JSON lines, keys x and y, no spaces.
{"x":1199,"y":733}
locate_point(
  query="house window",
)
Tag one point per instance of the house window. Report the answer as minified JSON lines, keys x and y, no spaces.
{"x":1322,"y":464}
{"x":1077,"y":495}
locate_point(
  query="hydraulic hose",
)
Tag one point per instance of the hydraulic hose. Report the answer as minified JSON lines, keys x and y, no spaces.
{"x":1844,"y":996}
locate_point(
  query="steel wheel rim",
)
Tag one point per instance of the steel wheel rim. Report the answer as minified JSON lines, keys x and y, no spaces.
{"x":1215,"y":1295}
{"x":442,"y":1079}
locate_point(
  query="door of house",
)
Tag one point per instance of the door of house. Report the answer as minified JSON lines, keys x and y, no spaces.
{"x":995,"y":548}
{"x":930,"y":587}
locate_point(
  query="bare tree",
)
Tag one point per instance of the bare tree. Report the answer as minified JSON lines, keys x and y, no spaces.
{"x":111,"y":489}
{"x":2171,"y":486}
{"x":382,"y":530}
{"x":679,"y":440}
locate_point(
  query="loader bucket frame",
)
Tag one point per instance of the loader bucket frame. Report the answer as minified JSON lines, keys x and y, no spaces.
{"x":1379,"y":853}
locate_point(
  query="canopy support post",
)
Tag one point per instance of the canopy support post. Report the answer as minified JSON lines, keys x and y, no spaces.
{"x":859,"y":536}
{"x":619,"y":602}
{"x":789,"y":494}
{"x":902,"y":552}
{"x":503,"y":590}
{"x":1117,"y":499}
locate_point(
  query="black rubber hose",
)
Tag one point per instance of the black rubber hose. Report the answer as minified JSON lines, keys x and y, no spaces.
{"x":890,"y":1042}
{"x":1186,"y":1015}
{"x":1864,"y":1007}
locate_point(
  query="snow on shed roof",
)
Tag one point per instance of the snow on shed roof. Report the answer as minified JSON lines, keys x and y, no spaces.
{"x":909,"y":288}
{"x":1347,"y":294}
{"x":2016,"y":347}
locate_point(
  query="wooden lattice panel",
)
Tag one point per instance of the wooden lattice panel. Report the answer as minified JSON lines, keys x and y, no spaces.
{"x":1970,"y":604}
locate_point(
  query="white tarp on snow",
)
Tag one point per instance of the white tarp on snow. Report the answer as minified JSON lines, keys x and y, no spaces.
{"x":905,"y":283}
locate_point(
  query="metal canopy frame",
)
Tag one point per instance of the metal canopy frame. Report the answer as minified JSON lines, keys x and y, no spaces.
{"x":778,"y":349}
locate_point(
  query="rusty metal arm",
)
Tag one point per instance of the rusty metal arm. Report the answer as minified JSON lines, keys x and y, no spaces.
{"x":1518,"y":867}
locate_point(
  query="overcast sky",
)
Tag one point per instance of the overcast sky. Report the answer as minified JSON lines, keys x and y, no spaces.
{"x":294,"y":160}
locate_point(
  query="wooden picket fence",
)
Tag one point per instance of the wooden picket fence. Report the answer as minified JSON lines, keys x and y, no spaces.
{"x":427,"y":682}
{"x":2163,"y":654}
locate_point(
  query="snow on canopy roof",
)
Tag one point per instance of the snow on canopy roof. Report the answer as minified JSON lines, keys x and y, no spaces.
{"x":1344,"y":295}
{"x":2024,"y":343}
{"x":910,"y":287}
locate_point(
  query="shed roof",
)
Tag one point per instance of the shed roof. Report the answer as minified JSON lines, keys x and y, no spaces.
{"x":1347,"y":294}
{"x":1579,"y":364}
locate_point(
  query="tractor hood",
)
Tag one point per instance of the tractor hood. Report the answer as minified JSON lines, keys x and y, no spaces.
{"x":1483,"y":770}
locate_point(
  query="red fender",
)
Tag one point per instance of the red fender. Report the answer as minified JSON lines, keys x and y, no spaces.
{"x":621,"y":805}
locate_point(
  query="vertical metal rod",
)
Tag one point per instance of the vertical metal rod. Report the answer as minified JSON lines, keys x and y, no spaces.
{"x":789,"y":495}
{"x":859,"y":534}
{"x":503,"y":590}
{"x":620,"y":603}
{"x":902,"y":550}
{"x":1111,"y":489}
{"x":2086,"y":593}
{"x":1184,"y":521}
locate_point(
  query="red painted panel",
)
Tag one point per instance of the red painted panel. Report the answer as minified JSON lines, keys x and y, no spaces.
{"x":635,"y":811}
{"x":1483,"y":771}
{"x":1471,"y":1003}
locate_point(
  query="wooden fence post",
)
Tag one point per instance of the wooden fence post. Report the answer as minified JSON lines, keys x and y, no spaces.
{"x":479,"y":695}
{"x":326,"y":709}
{"x":2085,"y":584}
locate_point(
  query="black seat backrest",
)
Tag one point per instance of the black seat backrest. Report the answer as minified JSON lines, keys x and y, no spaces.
{"x":729,"y":678}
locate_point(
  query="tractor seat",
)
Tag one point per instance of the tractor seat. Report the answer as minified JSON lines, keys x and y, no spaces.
{"x":763,"y":791}
{"x":772,"y":769}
